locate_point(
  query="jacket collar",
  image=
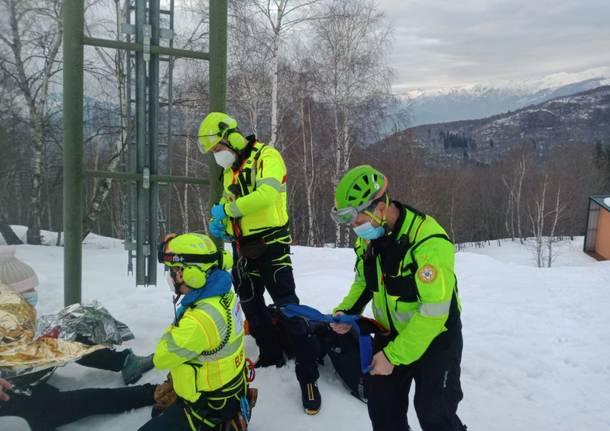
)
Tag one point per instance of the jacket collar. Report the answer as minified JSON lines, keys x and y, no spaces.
{"x":218,"y":283}
{"x":406,"y":225}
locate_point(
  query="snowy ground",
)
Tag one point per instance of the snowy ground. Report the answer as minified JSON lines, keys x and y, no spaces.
{"x":536,"y":341}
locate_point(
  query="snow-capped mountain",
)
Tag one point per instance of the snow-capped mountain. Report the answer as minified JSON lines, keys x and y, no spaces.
{"x":581,"y":118}
{"x":486,"y":99}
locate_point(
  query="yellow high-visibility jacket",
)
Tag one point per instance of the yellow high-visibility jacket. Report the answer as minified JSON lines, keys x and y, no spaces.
{"x":204,"y":351}
{"x":254,"y":196}
{"x":411,"y":282}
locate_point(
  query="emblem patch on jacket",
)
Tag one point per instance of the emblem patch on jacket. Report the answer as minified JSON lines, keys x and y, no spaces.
{"x":427,"y":273}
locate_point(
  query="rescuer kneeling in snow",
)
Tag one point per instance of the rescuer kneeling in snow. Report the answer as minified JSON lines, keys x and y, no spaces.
{"x":204,"y":348}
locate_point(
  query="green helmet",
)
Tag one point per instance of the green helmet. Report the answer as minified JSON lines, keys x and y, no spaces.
{"x":356,"y":191}
{"x":215,"y":127}
{"x":195,"y":254}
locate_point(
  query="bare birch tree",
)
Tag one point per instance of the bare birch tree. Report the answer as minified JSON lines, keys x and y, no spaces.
{"x":348,"y":50}
{"x":31,"y":31}
{"x":514,"y":187}
{"x":113,"y":73}
{"x":308,"y":167}
{"x":556,"y":214}
{"x":280,"y":17}
{"x":545,"y":216}
{"x":537,"y":217}
{"x":249,"y":86}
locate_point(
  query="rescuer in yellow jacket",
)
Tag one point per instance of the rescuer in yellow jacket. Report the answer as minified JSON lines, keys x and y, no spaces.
{"x":204,"y":348}
{"x":253,"y":215}
{"x":405,"y":266}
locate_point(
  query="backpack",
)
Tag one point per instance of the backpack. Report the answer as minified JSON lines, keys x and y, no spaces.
{"x":344,"y":354}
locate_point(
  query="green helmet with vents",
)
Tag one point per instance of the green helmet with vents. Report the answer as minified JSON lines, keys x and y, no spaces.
{"x":356,"y":191}
{"x":217,"y":126}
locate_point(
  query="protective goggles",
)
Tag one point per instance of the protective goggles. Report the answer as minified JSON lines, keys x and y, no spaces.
{"x":181,"y":259}
{"x":175,"y":259}
{"x":208,"y":141}
{"x":211,"y":138}
{"x":349,"y":214}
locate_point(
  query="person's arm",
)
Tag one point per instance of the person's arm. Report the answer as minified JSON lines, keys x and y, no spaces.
{"x":358,"y":296}
{"x":435,"y":280}
{"x":181,"y":343}
{"x":270,"y":182}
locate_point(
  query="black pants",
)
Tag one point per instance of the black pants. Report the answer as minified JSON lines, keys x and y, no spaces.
{"x":215,"y":408}
{"x":437,"y":388}
{"x":174,"y":417}
{"x":105,"y":359}
{"x":273,"y":271}
{"x":48,"y":408}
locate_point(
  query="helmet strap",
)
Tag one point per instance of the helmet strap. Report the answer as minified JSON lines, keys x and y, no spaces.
{"x":245,"y":152}
{"x":174,"y":302}
{"x":381,"y":221}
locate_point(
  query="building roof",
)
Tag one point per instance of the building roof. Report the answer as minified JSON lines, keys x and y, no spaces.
{"x":602,"y":200}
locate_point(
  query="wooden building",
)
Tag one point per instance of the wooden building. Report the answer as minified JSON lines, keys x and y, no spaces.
{"x":597,"y":235}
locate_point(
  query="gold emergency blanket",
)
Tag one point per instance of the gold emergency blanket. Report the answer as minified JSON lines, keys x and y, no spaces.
{"x":20,"y":352}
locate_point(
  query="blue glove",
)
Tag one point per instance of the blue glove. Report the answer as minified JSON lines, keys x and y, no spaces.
{"x":218,"y":212}
{"x":217,"y":229}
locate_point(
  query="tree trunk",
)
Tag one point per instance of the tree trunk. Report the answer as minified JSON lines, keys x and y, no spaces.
{"x":338,"y":152}
{"x":8,"y":234}
{"x":275,"y":65}
{"x":557,"y":210}
{"x":509,"y":219}
{"x":522,"y":167}
{"x":186,"y":187}
{"x":103,"y":187}
{"x":308,"y":170}
{"x":33,"y":234}
{"x":179,"y":199}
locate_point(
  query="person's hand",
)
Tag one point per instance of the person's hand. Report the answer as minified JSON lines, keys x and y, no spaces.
{"x":165,"y":395}
{"x":4,"y":385}
{"x":340,"y":328}
{"x":217,"y":229}
{"x":218,"y":212}
{"x":380,"y":366}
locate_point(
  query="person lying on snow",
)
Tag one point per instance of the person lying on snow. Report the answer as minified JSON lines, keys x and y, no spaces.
{"x":44,"y":407}
{"x":21,"y":278}
{"x":27,"y":361}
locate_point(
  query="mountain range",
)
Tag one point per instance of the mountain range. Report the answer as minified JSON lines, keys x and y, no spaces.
{"x":583,"y":117}
{"x":485,"y":99}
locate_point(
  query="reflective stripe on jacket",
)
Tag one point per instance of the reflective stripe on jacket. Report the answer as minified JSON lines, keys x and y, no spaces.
{"x":198,"y":352}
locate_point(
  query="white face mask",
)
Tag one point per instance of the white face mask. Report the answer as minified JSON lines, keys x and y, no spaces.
{"x":225,"y":158}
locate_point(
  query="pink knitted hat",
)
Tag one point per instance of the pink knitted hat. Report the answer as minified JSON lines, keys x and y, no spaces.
{"x":14,"y":273}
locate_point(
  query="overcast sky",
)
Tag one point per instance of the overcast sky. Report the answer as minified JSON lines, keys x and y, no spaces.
{"x":442,"y":43}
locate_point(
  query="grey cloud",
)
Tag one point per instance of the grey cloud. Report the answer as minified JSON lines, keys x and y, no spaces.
{"x":443,"y":43}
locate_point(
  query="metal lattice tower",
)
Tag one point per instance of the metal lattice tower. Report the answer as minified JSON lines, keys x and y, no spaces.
{"x":148,"y":211}
{"x":148,"y":161}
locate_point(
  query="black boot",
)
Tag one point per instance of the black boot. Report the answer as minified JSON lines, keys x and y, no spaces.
{"x":310,"y":395}
{"x":269,"y":357}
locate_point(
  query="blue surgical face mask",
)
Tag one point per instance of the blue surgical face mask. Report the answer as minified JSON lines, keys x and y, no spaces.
{"x":31,"y":297}
{"x":368,"y":231}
